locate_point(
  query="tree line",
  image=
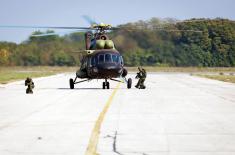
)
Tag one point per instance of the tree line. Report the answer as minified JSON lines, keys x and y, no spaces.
{"x":156,"y":42}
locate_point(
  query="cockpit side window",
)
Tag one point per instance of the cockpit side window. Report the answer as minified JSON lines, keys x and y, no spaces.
{"x":101,"y":58}
{"x":121,"y":60}
{"x":108,"y":58}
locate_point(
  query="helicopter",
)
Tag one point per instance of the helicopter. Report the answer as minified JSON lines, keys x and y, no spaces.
{"x":100,"y":60}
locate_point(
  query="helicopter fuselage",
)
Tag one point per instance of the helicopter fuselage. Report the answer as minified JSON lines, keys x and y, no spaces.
{"x":101,"y":60}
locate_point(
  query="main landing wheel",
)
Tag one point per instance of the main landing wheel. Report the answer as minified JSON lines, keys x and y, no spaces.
{"x":105,"y":85}
{"x":71,"y":83}
{"x":129,"y":83}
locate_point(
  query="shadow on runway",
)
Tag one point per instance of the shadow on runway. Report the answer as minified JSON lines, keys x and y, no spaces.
{"x":83,"y":88}
{"x":94,"y":89}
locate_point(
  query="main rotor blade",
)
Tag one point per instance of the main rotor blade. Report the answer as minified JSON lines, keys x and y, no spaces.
{"x":180,"y":30}
{"x":54,"y":33}
{"x":45,"y":27}
{"x":89,"y":20}
{"x":42,"y":35}
{"x":155,"y":29}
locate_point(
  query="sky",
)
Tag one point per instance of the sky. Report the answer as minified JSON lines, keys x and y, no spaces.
{"x":70,"y":12}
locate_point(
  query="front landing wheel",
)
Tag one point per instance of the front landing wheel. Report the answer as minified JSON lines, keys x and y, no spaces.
{"x":129,"y":83}
{"x":105,"y":85}
{"x":71,"y":83}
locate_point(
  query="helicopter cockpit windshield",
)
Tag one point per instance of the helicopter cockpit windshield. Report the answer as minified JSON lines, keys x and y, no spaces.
{"x":106,"y":58}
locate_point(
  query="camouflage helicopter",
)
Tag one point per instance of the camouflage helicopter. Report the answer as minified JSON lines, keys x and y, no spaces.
{"x":100,"y":60}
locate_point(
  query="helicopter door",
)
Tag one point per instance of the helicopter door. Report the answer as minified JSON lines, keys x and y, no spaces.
{"x":89,"y":62}
{"x":84,"y":65}
{"x":94,"y":61}
{"x":89,"y":65}
{"x":82,"y":73}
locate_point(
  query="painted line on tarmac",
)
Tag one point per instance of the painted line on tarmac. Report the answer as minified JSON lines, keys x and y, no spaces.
{"x":93,"y":142}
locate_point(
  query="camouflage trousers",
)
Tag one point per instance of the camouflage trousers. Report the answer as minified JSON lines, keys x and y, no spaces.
{"x":29,"y":90}
{"x":140,"y":84}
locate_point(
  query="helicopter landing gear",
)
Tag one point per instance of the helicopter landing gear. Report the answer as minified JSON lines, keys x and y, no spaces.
{"x":71,"y":83}
{"x":106,"y":84}
{"x":129,"y":83}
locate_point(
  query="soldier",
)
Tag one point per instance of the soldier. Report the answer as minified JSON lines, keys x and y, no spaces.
{"x":29,"y":82}
{"x":141,"y":75}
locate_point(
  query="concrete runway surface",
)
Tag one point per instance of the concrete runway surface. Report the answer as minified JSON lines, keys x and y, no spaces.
{"x":177,"y":114}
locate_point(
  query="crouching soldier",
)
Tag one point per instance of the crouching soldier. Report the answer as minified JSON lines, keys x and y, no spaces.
{"x":30,"y":84}
{"x":141,"y":75}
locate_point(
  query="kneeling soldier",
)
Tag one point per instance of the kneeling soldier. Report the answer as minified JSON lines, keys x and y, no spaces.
{"x":141,"y":75}
{"x":30,"y":84}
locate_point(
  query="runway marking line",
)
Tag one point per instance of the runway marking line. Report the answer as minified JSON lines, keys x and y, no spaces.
{"x":93,"y":142}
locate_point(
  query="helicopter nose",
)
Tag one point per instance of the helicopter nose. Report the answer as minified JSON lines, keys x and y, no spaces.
{"x":111,"y":70}
{"x":111,"y":67}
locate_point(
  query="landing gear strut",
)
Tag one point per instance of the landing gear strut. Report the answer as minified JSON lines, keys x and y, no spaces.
{"x":73,"y":82}
{"x":106,"y":84}
{"x":128,"y":82}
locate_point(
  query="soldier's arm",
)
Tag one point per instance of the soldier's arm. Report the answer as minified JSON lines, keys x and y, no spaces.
{"x":25,"y":82}
{"x":137,"y":76}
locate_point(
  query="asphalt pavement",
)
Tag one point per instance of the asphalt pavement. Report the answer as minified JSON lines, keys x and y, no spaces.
{"x":177,"y":114}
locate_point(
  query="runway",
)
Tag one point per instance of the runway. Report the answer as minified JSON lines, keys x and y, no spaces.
{"x":177,"y":114}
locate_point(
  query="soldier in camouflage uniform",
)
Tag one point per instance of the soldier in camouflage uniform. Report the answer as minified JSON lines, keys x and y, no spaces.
{"x":29,"y":82}
{"x":141,"y":75}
